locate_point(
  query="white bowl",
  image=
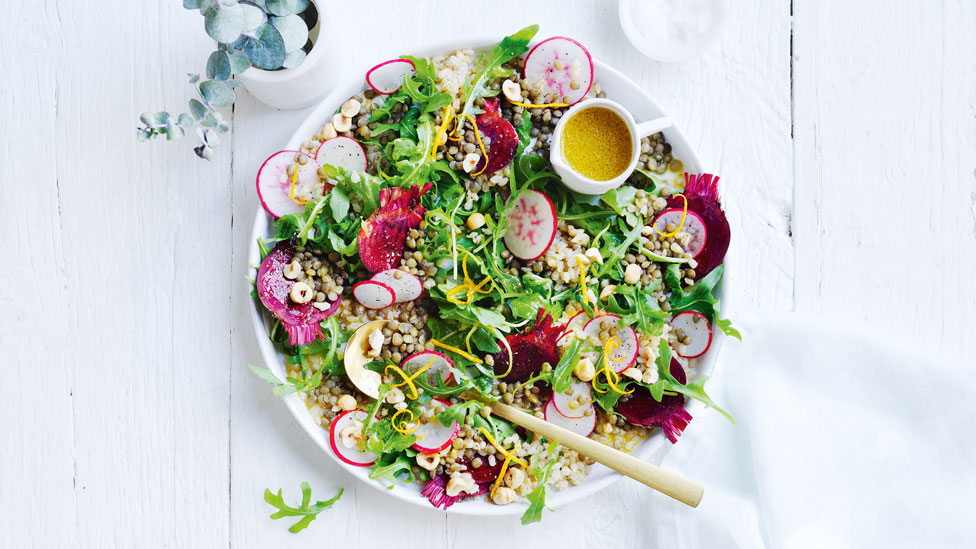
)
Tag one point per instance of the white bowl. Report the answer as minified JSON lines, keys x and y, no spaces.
{"x":677,"y":48}
{"x":618,"y":87}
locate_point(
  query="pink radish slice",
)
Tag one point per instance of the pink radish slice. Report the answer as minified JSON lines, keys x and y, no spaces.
{"x":554,"y":64}
{"x":695,"y":326}
{"x":693,"y":225}
{"x":342,"y":152}
{"x":406,"y":286}
{"x":387,"y":77}
{"x":274,"y":183}
{"x":582,"y":426}
{"x":578,"y":391}
{"x":531,"y":226}
{"x":624,"y":355}
{"x":354,"y":456}
{"x":576,"y":325}
{"x":441,"y":364}
{"x":432,"y":437}
{"x":373,"y":295}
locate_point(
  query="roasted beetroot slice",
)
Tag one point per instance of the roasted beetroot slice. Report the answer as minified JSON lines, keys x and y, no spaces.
{"x":504,"y":140}
{"x":530,"y":349}
{"x":678,"y":372}
{"x":382,"y":236}
{"x":669,"y":414}
{"x":486,"y":474}
{"x":436,"y":492}
{"x":702,"y":193}
{"x":300,"y":321}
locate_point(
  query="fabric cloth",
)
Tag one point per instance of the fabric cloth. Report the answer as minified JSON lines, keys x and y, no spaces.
{"x":842,"y":439}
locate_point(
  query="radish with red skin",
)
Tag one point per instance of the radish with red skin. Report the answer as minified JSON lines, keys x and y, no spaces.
{"x":387,"y":77}
{"x":579,"y":391}
{"x":582,"y":425}
{"x":576,"y":325}
{"x":702,"y":194}
{"x":373,"y":295}
{"x":624,"y":355}
{"x":354,"y":456}
{"x":342,"y":152}
{"x":274,"y":182}
{"x":502,"y":135}
{"x":695,"y":326}
{"x":531,"y":226}
{"x":556,"y":63}
{"x":301,"y":321}
{"x":441,"y":364}
{"x":432,"y":437}
{"x":693,"y":225}
{"x":406,"y":286}
{"x":383,"y":235}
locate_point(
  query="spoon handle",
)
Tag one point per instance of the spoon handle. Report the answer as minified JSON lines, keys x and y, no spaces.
{"x":667,"y":482}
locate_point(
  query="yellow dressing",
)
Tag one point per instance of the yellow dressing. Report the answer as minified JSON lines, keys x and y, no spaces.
{"x":597,"y":143}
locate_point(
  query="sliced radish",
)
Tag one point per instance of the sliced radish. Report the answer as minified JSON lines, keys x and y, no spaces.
{"x":274,"y":183}
{"x":555,"y":64}
{"x":693,"y":225}
{"x":406,"y":286}
{"x":373,"y":295}
{"x":354,"y":456}
{"x":576,"y":325}
{"x":432,"y":437}
{"x":441,"y":364}
{"x":695,"y":326}
{"x":582,"y":426}
{"x":578,"y":391}
{"x":342,"y":152}
{"x":531,"y":226}
{"x":626,"y":353}
{"x":387,"y":77}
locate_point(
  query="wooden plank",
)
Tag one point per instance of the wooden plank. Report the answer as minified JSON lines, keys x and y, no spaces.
{"x":885,"y":153}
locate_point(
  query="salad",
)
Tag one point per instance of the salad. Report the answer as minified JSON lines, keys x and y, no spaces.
{"x":428,"y":203}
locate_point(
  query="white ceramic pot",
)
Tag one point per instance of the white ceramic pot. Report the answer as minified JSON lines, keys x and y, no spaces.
{"x":309,"y":82}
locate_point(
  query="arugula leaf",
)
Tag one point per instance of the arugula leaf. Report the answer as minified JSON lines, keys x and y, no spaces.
{"x":306,"y":509}
{"x":390,"y":467}
{"x":490,"y":66}
{"x":537,"y":497}
{"x":699,"y":298}
{"x":562,"y":374}
{"x":666,"y":382}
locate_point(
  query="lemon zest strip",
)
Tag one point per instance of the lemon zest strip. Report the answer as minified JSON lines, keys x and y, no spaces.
{"x":508,"y":454}
{"x":448,"y":116}
{"x":408,"y":378}
{"x":533,"y":106}
{"x":477,"y":137}
{"x":684,"y":212}
{"x":399,"y":427}
{"x":612,"y":344}
{"x":501,"y":475}
{"x":586,"y":294}
{"x":455,"y":350}
{"x":294,"y":181}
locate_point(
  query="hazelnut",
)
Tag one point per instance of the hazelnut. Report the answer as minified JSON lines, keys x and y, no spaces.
{"x":301,"y":293}
{"x":470,"y":161}
{"x":633,"y":373}
{"x":476,"y":221}
{"x":346,"y":403}
{"x":328,"y":132}
{"x":632,"y":274}
{"x":341,"y":122}
{"x":350,"y":108}
{"x":292,"y":270}
{"x":584,"y":369}
{"x":512,"y":91}
{"x":504,"y":495}
{"x":429,"y":462}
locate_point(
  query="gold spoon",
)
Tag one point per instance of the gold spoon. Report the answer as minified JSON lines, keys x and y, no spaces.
{"x":667,"y":482}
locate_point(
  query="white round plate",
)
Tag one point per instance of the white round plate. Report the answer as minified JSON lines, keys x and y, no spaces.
{"x":619,"y":88}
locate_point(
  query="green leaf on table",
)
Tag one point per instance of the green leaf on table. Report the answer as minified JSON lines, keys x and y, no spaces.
{"x":266,"y":49}
{"x":307,"y":510}
{"x":224,"y":23}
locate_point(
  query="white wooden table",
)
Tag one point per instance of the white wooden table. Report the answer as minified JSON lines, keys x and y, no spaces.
{"x":845,"y":133}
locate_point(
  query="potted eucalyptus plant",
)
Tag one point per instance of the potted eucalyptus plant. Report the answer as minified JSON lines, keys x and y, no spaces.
{"x":280,"y":50}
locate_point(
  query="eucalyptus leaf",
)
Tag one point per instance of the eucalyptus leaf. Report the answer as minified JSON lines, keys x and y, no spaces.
{"x":267,"y":50}
{"x":233,"y":83}
{"x":238,"y":61}
{"x":294,"y":59}
{"x":184,"y":121}
{"x":143,"y":134}
{"x":293,"y":31}
{"x":218,"y":66}
{"x":217,"y":93}
{"x":254,"y":16}
{"x":224,"y":24}
{"x":197,"y":109}
{"x":282,"y":7}
{"x":162,"y":118}
{"x":147,"y":118}
{"x":192,"y":4}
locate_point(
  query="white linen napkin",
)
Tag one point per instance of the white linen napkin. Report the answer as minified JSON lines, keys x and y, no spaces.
{"x":841,"y":440}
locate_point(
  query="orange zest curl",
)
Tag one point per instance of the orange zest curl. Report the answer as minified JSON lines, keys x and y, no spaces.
{"x":481,"y":146}
{"x":408,"y":378}
{"x":612,"y":344}
{"x":399,"y":427}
